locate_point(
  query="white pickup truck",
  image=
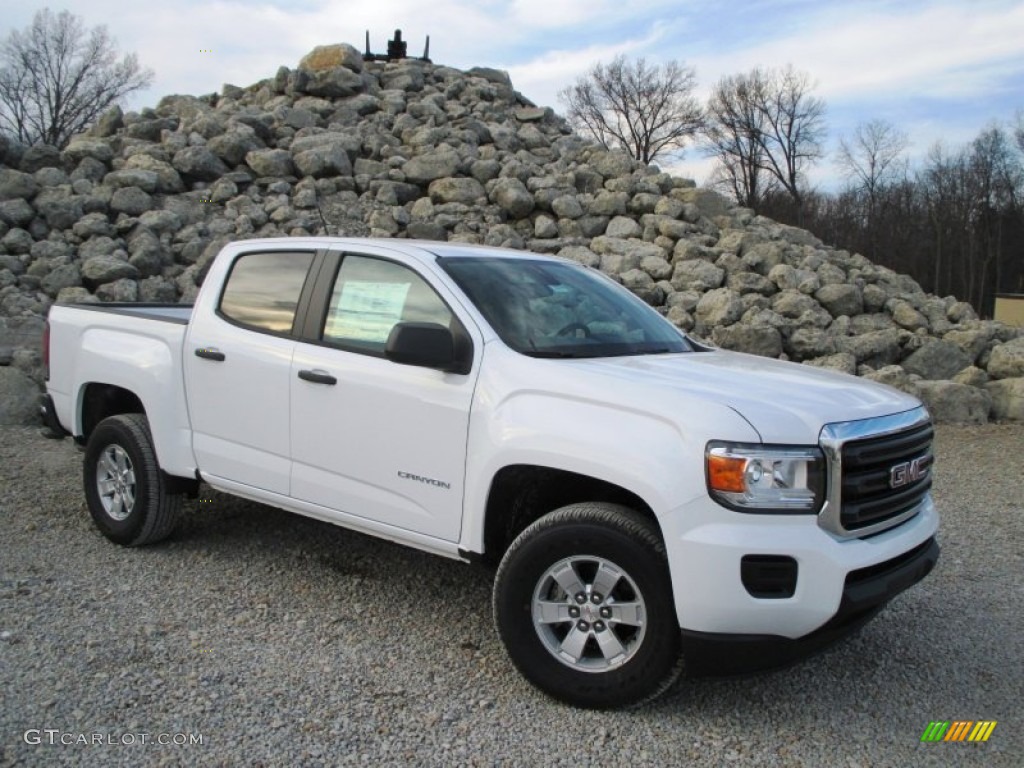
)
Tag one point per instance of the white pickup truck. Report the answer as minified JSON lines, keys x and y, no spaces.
{"x":651,"y":503}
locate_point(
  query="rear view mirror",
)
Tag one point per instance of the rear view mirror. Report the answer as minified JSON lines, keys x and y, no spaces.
{"x":428,"y":345}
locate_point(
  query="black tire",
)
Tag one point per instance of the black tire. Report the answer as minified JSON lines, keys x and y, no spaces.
{"x":124,"y":487}
{"x":581,"y":537}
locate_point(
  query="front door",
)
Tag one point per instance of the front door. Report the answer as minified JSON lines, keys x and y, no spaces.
{"x":372,"y":438}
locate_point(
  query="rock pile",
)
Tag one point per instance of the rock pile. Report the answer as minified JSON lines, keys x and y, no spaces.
{"x":135,"y":209}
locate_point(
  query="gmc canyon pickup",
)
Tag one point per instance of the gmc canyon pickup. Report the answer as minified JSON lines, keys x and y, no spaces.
{"x":648,"y":500}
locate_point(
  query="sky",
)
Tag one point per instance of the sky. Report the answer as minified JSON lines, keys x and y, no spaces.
{"x":940,"y":70}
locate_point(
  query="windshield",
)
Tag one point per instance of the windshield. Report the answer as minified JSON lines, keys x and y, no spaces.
{"x":557,"y":309}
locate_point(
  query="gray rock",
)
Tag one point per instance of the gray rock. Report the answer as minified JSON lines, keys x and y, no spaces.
{"x":567,"y":207}
{"x":130,"y":200}
{"x":324,"y":161}
{"x":937,"y":360}
{"x":843,"y":362}
{"x":270,"y":162}
{"x":580,"y":254}
{"x":952,"y":403}
{"x":810,"y":343}
{"x":119,"y":290}
{"x":972,"y":376}
{"x":81,"y":147}
{"x":168,"y":180}
{"x":106,"y":269}
{"x":16,"y":213}
{"x":19,"y":398}
{"x":147,"y":181}
{"x":657,"y":267}
{"x":497,"y":76}
{"x":608,"y":203}
{"x":97,"y":245}
{"x":512,"y":196}
{"x":696,"y":274}
{"x":17,"y":241}
{"x":161,"y":221}
{"x":893,"y":376}
{"x":15,"y":184}
{"x":623,"y":226}
{"x":198,"y":163}
{"x":876,"y":348}
{"x":972,"y":341}
{"x":612,"y":163}
{"x":1007,"y":399}
{"x":904,"y":314}
{"x":233,"y":146}
{"x":157,"y":289}
{"x":1007,"y":360}
{"x":109,"y":123}
{"x":456,"y":190}
{"x":61,"y":277}
{"x":75,"y":295}
{"x":760,"y":340}
{"x":325,"y":57}
{"x":431,"y":166}
{"x":751,"y":282}
{"x":720,"y":306}
{"x":59,"y":207}
{"x":840,"y":299}
{"x":40,"y":156}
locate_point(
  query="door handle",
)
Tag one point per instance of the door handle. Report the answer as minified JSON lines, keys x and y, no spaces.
{"x":210,"y":353}
{"x":318,"y":377}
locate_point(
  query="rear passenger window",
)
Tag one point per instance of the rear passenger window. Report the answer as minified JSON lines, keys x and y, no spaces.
{"x":263,"y":290}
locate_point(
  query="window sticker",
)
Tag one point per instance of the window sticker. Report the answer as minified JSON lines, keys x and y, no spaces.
{"x":367,"y":311}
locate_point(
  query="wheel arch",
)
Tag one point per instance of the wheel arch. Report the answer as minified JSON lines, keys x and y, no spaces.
{"x":522,"y":493}
{"x":98,"y":401}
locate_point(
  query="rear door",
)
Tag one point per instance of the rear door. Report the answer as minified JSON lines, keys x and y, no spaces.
{"x":238,"y":358}
{"x":373,"y":438}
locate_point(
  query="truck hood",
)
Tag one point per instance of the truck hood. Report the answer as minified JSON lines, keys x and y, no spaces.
{"x":784,"y":402}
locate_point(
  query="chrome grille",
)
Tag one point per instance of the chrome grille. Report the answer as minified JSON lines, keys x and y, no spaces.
{"x":880,"y":472}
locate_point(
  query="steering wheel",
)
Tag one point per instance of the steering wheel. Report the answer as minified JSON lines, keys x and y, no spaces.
{"x":574,"y":326}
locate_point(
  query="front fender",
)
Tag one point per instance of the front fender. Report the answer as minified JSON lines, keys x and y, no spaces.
{"x":656,"y":452}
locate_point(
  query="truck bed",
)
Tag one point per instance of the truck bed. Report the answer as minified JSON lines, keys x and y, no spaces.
{"x":168,"y":313}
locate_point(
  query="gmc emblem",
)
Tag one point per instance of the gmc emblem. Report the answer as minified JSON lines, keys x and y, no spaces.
{"x":907,"y":472}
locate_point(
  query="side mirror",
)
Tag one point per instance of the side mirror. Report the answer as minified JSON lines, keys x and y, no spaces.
{"x":428,"y":345}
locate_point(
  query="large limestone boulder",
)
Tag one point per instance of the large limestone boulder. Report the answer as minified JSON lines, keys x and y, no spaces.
{"x":329,"y":56}
{"x":19,"y":398}
{"x":952,"y":403}
{"x":937,"y":360}
{"x":1007,"y":399}
{"x":1007,"y":360}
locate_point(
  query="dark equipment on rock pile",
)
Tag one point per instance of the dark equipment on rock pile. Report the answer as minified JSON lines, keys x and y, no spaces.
{"x":397,"y":49}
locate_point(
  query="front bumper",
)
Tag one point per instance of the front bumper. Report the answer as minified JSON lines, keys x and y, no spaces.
{"x":865,"y":593}
{"x":706,"y":546}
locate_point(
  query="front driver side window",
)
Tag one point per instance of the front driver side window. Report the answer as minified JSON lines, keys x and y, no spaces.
{"x":371,"y":296}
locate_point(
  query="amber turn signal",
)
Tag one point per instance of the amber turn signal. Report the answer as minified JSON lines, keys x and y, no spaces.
{"x":725,"y":473}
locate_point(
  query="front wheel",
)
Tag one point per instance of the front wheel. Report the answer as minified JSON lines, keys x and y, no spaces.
{"x":583,"y":603}
{"x":124,"y":488}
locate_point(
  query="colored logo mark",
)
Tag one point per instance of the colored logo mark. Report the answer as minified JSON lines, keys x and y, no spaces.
{"x":958,"y":730}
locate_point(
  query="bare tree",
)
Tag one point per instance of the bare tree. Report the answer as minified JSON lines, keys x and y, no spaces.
{"x":778,"y":114}
{"x":648,"y":110}
{"x":56,"y":78}
{"x":873,"y":156}
{"x":733,"y":129}
{"x":872,"y":160}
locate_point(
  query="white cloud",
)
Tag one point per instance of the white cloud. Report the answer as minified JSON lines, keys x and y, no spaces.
{"x":942,"y":51}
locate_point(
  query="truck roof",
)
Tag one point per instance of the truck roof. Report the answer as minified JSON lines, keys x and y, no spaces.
{"x":411,"y":247}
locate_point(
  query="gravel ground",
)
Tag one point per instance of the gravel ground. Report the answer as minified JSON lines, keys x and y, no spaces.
{"x":283,"y":641}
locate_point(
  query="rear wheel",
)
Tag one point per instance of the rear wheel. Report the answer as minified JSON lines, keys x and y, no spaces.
{"x":583,"y":603}
{"x":124,"y":488}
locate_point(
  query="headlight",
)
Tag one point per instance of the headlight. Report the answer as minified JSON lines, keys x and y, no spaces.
{"x":765,"y":478}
